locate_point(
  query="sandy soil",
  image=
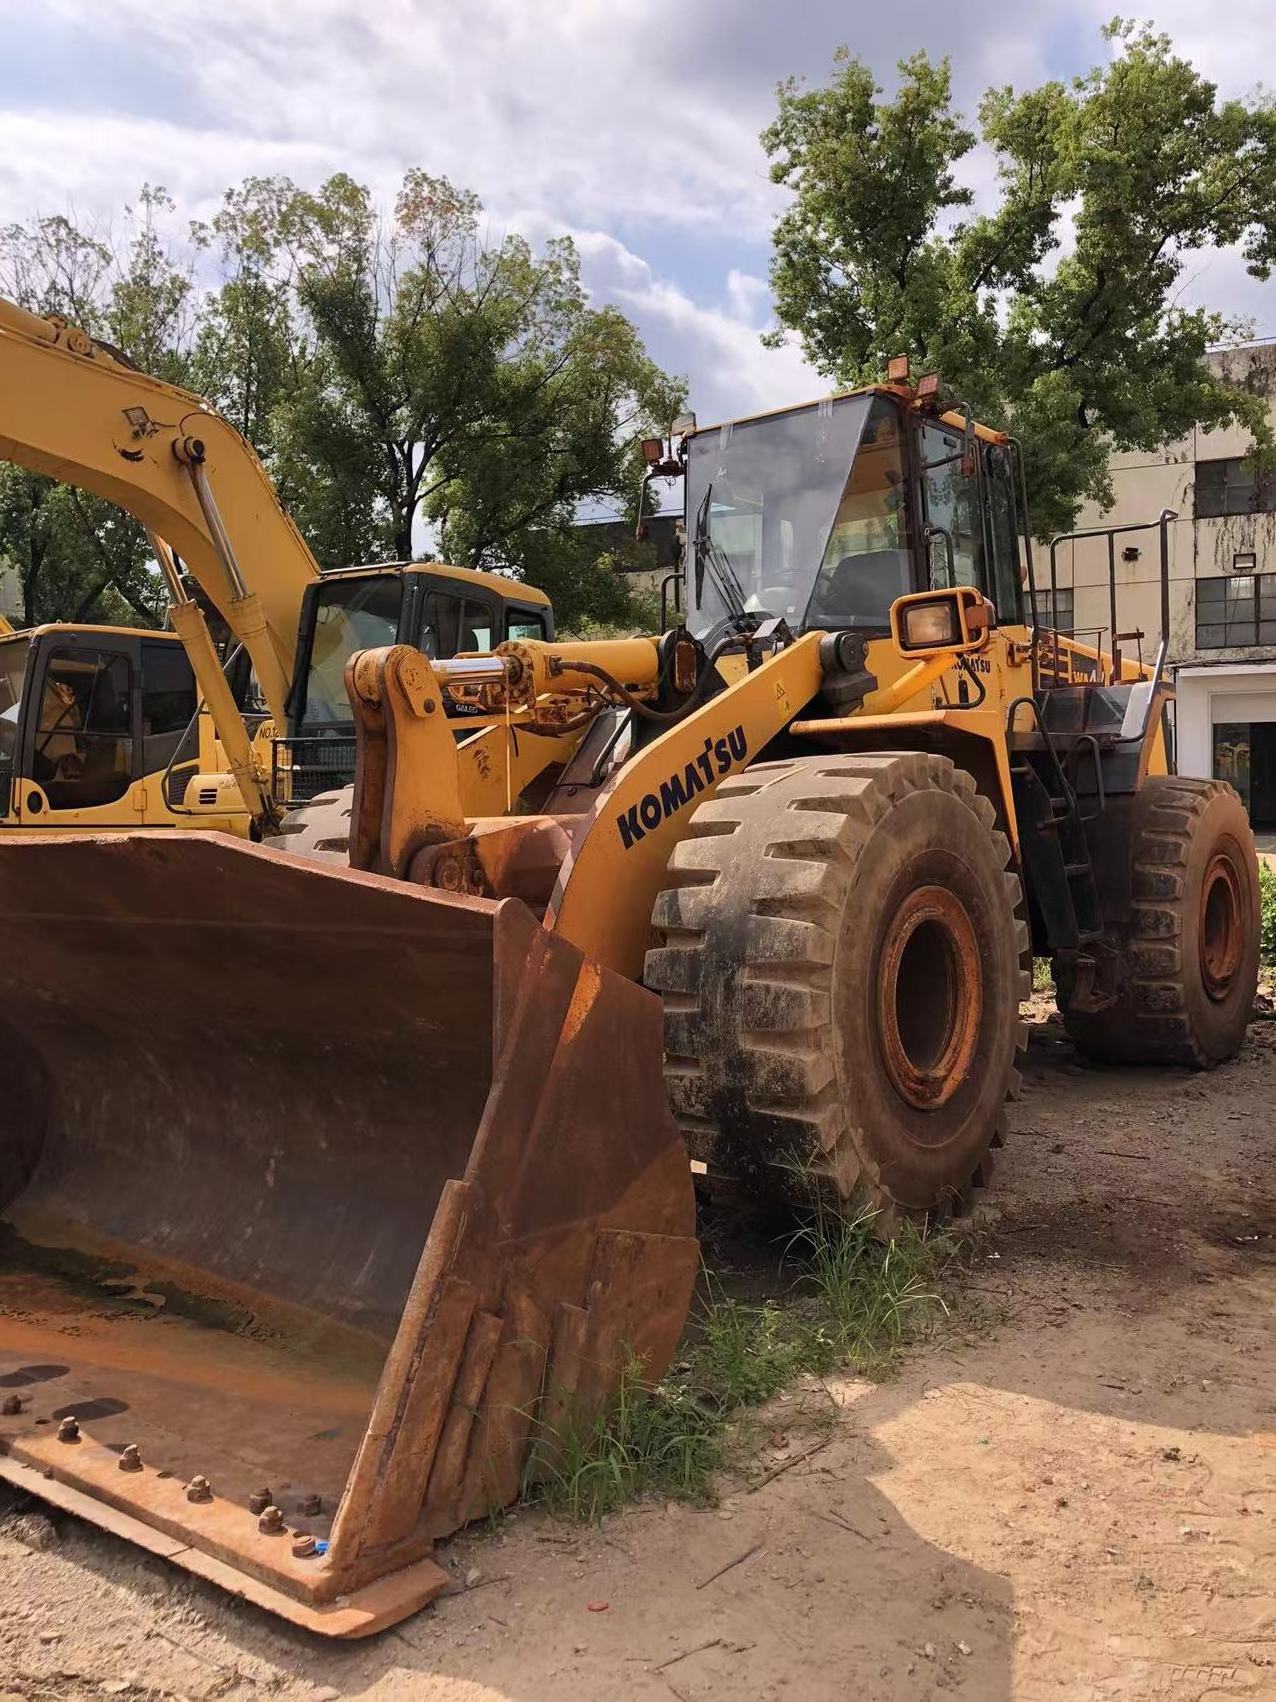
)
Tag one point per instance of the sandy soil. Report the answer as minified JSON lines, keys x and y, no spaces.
{"x":1075,"y":1500}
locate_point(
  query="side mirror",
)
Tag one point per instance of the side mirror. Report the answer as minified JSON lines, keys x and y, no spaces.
{"x":927,"y":623}
{"x":968,"y":463}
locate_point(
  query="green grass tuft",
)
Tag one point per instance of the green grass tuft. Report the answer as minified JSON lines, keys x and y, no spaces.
{"x":1267,"y":913}
{"x":854,"y":1302}
{"x":651,"y":1441}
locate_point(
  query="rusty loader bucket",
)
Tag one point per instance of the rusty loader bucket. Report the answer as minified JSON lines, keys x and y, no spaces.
{"x":320,"y":1197}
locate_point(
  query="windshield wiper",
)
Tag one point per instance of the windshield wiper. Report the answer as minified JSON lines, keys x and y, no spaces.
{"x":711,"y":555}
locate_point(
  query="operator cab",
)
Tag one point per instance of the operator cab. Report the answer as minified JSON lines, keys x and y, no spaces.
{"x":98,"y":727}
{"x":825,"y":514}
{"x":442,"y":611}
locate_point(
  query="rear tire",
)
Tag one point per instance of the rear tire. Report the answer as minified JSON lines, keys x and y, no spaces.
{"x":1187,"y":939}
{"x":842,"y":956}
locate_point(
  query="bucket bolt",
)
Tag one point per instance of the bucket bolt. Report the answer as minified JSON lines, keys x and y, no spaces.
{"x":303,"y":1546}
{"x":312,"y":1506}
{"x":130,"y":1459}
{"x":199,"y":1489}
{"x":12,"y":1406}
{"x":271,"y":1522}
{"x":259,"y":1500}
{"x":69,"y":1430}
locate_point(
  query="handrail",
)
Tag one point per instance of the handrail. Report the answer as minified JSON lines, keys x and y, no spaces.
{"x":1111,"y":533}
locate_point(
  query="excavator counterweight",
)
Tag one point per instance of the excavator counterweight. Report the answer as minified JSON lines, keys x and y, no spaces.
{"x":335,"y":1247}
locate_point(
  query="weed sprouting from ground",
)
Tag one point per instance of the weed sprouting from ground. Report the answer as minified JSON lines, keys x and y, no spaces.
{"x":853,"y":1301}
{"x":869,"y":1295}
{"x":658,"y":1441}
{"x":1267,"y":913}
{"x":1042,"y":979}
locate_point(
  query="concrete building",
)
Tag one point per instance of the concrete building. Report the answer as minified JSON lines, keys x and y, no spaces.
{"x":1222,"y":589}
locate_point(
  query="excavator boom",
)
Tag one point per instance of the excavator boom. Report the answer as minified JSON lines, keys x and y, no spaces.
{"x":71,"y":410}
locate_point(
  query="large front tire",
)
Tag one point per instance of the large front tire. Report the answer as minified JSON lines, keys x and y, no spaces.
{"x":842,"y":957}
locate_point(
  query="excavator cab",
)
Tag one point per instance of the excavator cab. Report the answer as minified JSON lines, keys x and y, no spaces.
{"x":101,"y":728}
{"x":441,"y":611}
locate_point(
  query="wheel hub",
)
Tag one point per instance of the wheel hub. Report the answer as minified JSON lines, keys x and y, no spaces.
{"x":929,"y":997}
{"x":1221,"y":945}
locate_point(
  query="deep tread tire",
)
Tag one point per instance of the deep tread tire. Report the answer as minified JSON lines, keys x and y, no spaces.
{"x":770,"y":932}
{"x":1170,"y":833}
{"x":319,"y":829}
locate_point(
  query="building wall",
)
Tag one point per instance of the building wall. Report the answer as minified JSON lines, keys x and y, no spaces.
{"x":1233,"y":686}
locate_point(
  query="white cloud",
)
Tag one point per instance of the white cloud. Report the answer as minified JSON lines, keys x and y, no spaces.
{"x":634,"y":124}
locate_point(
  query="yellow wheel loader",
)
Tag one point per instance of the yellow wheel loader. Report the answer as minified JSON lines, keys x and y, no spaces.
{"x":104,"y":728}
{"x":331,"y":1192}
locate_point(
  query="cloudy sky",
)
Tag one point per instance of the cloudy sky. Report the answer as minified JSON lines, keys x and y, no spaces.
{"x":631,"y":123}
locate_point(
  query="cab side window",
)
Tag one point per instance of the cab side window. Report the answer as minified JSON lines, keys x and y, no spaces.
{"x":169,"y":700}
{"x":951,"y":500}
{"x":476,"y":627}
{"x":522,"y":623}
{"x":440,"y":620}
{"x":83,"y":742}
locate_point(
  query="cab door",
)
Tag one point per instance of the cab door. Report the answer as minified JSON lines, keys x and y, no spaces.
{"x":953,"y":533}
{"x":81,"y":742}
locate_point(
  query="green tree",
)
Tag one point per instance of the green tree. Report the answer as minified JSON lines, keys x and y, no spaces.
{"x":1079,"y":348}
{"x":410,"y":383}
{"x":456,"y":384}
{"x":249,"y":349}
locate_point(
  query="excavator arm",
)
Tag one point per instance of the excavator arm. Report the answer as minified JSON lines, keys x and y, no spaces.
{"x":72,"y":410}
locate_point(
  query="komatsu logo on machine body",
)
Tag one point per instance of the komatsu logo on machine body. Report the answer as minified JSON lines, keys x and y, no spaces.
{"x":717,"y":758}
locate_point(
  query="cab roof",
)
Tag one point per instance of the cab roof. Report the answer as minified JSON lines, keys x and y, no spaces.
{"x":76,"y":629}
{"x":511,"y":590}
{"x":904,"y":393}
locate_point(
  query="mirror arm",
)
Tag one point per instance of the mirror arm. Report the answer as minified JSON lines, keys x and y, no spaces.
{"x":931,"y":532}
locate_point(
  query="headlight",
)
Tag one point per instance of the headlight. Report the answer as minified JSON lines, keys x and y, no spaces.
{"x":929,"y":626}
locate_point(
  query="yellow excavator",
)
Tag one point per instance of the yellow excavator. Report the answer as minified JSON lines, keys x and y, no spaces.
{"x":332,"y":1192}
{"x":104,"y":728}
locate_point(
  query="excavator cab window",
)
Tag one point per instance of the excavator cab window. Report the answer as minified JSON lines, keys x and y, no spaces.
{"x":476,"y":628}
{"x":356,"y":613}
{"x":524,"y":623}
{"x":82,"y":744}
{"x":15,"y":653}
{"x":169,"y":700}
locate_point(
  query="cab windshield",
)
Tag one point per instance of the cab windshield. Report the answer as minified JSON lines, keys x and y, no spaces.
{"x":802,"y":514}
{"x":350,"y":614}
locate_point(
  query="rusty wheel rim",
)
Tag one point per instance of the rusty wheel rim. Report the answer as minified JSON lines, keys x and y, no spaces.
{"x":929,"y":997}
{"x":1220,"y":936}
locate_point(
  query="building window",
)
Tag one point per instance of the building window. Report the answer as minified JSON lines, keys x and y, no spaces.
{"x":1238,"y":610}
{"x":1055,"y":613}
{"x":1233,"y":486}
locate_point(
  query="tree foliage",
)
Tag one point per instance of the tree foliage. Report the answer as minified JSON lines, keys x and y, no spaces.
{"x":414,"y":386}
{"x":1056,"y":313}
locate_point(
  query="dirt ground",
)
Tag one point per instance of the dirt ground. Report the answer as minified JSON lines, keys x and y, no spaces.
{"x":1074,"y":1499}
